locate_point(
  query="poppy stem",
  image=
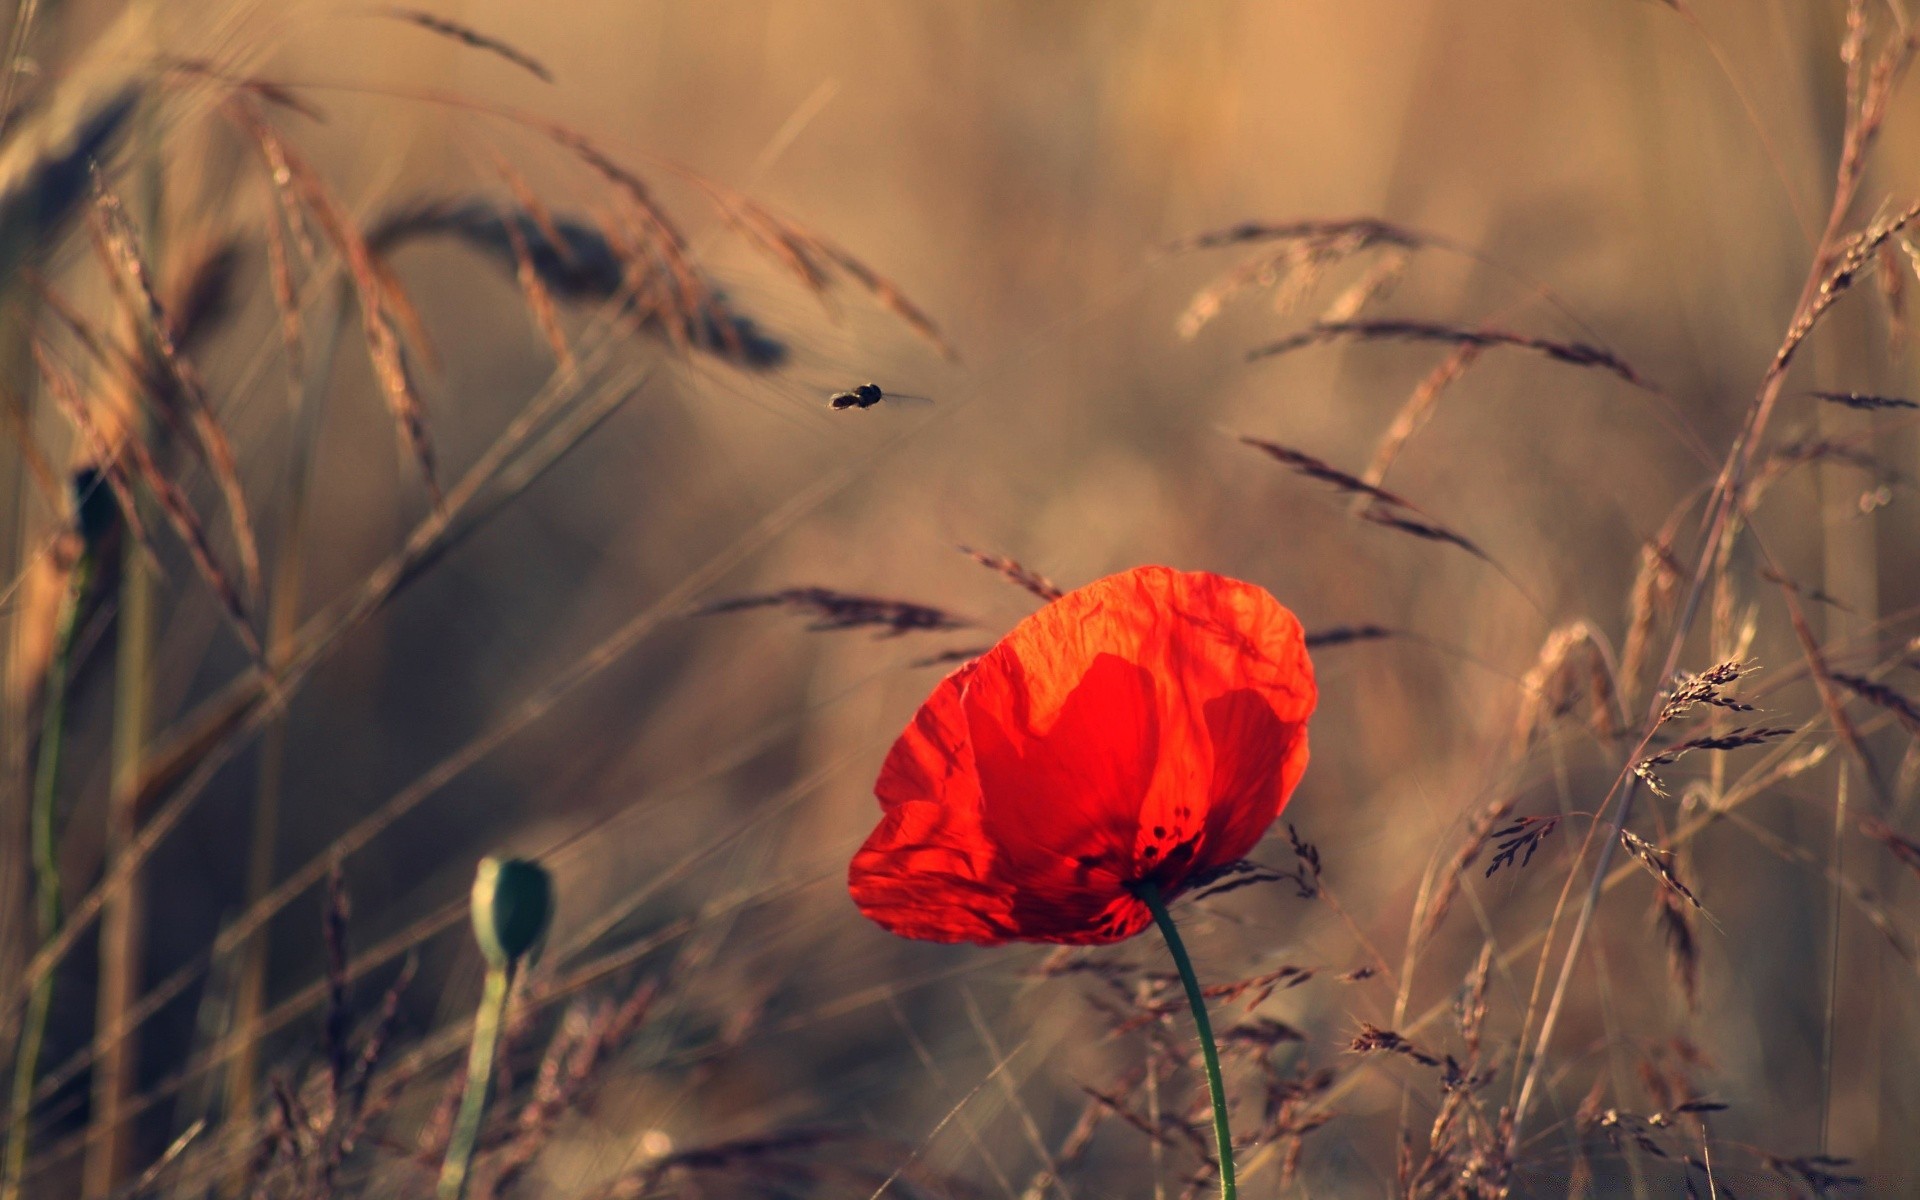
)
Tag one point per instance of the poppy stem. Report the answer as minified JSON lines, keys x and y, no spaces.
{"x":1149,"y":895}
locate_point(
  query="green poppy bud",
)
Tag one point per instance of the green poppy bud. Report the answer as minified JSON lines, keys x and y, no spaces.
{"x":96,"y":511}
{"x":512,"y":904}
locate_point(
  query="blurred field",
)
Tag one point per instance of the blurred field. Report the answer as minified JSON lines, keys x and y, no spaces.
{"x":1644,"y":177}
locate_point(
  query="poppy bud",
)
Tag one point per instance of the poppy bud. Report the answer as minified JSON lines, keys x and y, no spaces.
{"x":96,"y":511}
{"x":512,"y":905}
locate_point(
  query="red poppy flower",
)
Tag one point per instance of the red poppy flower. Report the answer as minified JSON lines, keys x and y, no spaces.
{"x":1146,"y":728}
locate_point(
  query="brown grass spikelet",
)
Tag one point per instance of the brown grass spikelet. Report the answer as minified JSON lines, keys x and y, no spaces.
{"x":1733,"y":739}
{"x":1343,"y":635}
{"x":1675,"y":922}
{"x":1890,"y":272}
{"x":1316,"y":468}
{"x":1418,"y":408}
{"x":1375,"y":285}
{"x":1823,"y":1175}
{"x":832,"y":610}
{"x":1374,"y":1040}
{"x":1650,"y":604}
{"x":1902,"y":847}
{"x":1843,"y":272}
{"x":1375,"y":504}
{"x":1424,"y":529}
{"x":817,"y":263}
{"x":1514,"y":845}
{"x":1258,"y":987}
{"x":1470,"y":1012}
{"x":540,"y":304}
{"x":1903,"y":709}
{"x":577,"y":260}
{"x":118,"y":243}
{"x":286,"y":296}
{"x":47,"y":159}
{"x":1863,"y":401}
{"x":1708,"y":687}
{"x":468,"y":36}
{"x":1440,"y":901}
{"x":1660,"y":863}
{"x":1576,"y":354}
{"x":179,"y":513}
{"x":1300,"y":256}
{"x":382,"y":304}
{"x":951,"y":658}
{"x":1572,"y":667}
{"x":1368,"y":231}
{"x":1014,"y":573}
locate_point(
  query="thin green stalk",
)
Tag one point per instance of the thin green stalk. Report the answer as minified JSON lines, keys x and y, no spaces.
{"x":46,"y":870}
{"x":487,"y":1024}
{"x":1149,"y":894}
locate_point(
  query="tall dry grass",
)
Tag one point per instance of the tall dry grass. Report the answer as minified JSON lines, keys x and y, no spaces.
{"x":423,"y":440}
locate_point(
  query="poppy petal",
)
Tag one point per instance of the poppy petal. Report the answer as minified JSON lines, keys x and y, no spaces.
{"x":1147,"y":726}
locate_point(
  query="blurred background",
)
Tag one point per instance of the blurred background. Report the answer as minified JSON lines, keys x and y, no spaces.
{"x":1624,"y":173}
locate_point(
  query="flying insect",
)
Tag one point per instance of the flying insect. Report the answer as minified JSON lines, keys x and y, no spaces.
{"x":866,"y":396}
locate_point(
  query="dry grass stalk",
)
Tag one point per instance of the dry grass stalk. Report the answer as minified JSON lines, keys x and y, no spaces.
{"x":472,"y":38}
{"x":1577,"y":354}
{"x":1341,"y":635}
{"x":948,"y":658}
{"x":587,"y":1037}
{"x":1863,"y":402}
{"x":286,"y":299}
{"x":1418,"y":409}
{"x":1707,"y":688}
{"x":1675,"y":922}
{"x":664,"y":280}
{"x":1374,"y":1040}
{"x":1733,"y":739}
{"x":575,"y":260}
{"x":1825,"y":684}
{"x":1427,"y":921}
{"x":1015,"y":574}
{"x":382,"y":305}
{"x":1660,"y":863}
{"x":1514,"y":844}
{"x":843,"y":610}
{"x":266,"y":91}
{"x":1372,"y":287}
{"x":1904,"y":848}
{"x":173,"y":503}
{"x":1879,"y":695}
{"x":817,"y":263}
{"x":47,"y":160}
{"x":1379,"y":506}
{"x":539,"y":300}
{"x":1302,"y":255}
{"x":1368,"y":231}
{"x":1572,"y":667}
{"x":1823,"y":1175}
{"x":1650,"y":605}
{"x":530,"y":203}
{"x":119,"y":244}
{"x":1890,"y":271}
{"x":1858,"y":255}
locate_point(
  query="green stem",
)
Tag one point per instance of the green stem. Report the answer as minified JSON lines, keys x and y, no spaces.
{"x":487,"y":1025}
{"x":1149,"y":895}
{"x":46,"y":869}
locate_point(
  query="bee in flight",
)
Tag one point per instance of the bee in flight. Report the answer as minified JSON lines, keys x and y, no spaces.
{"x":865,"y":396}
